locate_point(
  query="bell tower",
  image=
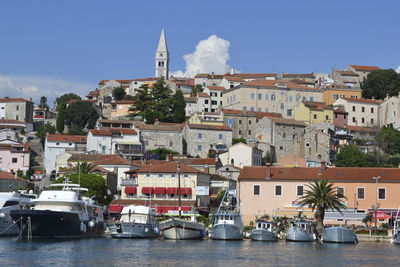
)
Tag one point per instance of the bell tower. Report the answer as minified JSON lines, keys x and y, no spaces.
{"x":162,"y":57}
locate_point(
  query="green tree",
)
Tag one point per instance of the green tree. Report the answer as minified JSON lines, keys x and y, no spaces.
{"x":81,"y":114}
{"x":84,"y":167}
{"x":368,"y":219}
{"x":43,"y":103}
{"x":197,"y":88}
{"x":118,"y":93}
{"x":179,"y":113}
{"x":65,"y":98}
{"x":42,"y":130}
{"x":321,"y":196}
{"x":238,"y":140}
{"x":381,"y":82}
{"x":350,"y":156}
{"x":162,"y":152}
{"x":142,"y":103}
{"x":389,"y":140}
{"x":60,"y":120}
{"x":94,"y":183}
{"x":162,"y":103}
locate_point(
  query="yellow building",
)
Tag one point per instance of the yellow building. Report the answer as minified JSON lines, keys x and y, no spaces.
{"x":330,"y":95}
{"x":120,"y":109}
{"x":313,"y":113}
{"x":207,"y":118}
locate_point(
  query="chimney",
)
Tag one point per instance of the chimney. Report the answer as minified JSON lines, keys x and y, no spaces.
{"x":268,"y":170}
{"x":170,"y":158}
{"x":232,"y":71}
{"x":207,"y":169}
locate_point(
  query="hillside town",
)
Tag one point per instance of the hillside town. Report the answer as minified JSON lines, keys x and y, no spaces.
{"x":265,"y":135}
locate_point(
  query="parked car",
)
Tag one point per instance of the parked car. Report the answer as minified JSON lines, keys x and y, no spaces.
{"x":53,"y":175}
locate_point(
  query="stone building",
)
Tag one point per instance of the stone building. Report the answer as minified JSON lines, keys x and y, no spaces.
{"x":362,"y":112}
{"x":362,"y":71}
{"x":17,"y":112}
{"x":390,"y":112}
{"x":201,"y":138}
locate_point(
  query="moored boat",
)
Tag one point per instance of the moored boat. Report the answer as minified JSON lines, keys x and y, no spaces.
{"x":181,"y":228}
{"x":61,"y":213}
{"x":339,"y":235}
{"x":300,"y":232}
{"x":265,"y":231}
{"x":136,"y":222}
{"x":228,"y":223}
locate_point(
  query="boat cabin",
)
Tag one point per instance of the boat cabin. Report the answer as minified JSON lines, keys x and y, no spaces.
{"x":137,"y":214}
{"x":303,"y":225}
{"x":269,"y":226}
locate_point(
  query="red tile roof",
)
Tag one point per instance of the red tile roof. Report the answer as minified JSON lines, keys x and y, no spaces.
{"x":301,"y":81}
{"x":199,"y":161}
{"x":120,"y":81}
{"x":66,"y":138}
{"x":201,"y":94}
{"x":209,"y":127}
{"x":233,"y":79}
{"x":364,"y":68}
{"x":176,"y":127}
{"x":148,"y":79}
{"x":217,"y":88}
{"x":298,"y":75}
{"x":341,"y":174}
{"x":317,"y":105}
{"x":361,"y":129}
{"x":347,"y":73}
{"x":363,"y":100}
{"x":273,"y":83}
{"x":257,"y":114}
{"x":116,"y":160}
{"x":14,"y":100}
{"x":167,"y":167}
{"x":104,"y":132}
{"x":254,"y":75}
{"x":130,"y":102}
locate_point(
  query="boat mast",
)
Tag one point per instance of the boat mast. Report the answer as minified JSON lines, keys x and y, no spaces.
{"x":179,"y":186}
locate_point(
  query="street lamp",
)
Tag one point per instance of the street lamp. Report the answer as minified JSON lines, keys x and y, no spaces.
{"x":376,"y":205}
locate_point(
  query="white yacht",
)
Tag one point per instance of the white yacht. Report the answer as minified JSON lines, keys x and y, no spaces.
{"x":61,"y":213}
{"x":8,"y":202}
{"x":135,"y":222}
{"x":228,"y":224}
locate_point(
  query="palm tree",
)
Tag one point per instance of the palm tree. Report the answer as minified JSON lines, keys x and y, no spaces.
{"x":321,"y":196}
{"x":84,"y":167}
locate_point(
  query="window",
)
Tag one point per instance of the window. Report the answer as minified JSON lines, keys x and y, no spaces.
{"x":199,"y":135}
{"x":354,"y":119}
{"x":146,"y":142}
{"x":340,"y":192}
{"x":290,"y":98}
{"x":304,"y":99}
{"x":240,"y":132}
{"x":315,"y":116}
{"x":249,"y":122}
{"x":282,"y":106}
{"x":360,"y":193}
{"x":372,"y":121}
{"x":281,"y":148}
{"x":259,"y":96}
{"x":266,"y":110}
{"x":297,"y":98}
{"x":259,"y":109}
{"x":256,"y":190}
{"x":186,"y":176}
{"x":240,"y":122}
{"x":335,"y":96}
{"x":273,"y":97}
{"x":171,"y":143}
{"x":300,"y":190}
{"x":249,"y":132}
{"x":362,"y":109}
{"x":372,"y":110}
{"x":70,"y":144}
{"x":1,"y":160}
{"x":160,"y":175}
{"x":244,"y":108}
{"x":199,"y":148}
{"x":278,"y":190}
{"x":354,"y":108}
{"x":311,"y":98}
{"x":363,"y":120}
{"x":252,"y":96}
{"x":17,"y":107}
{"x":220,"y":136}
{"x":173,"y":175}
{"x":16,"y":117}
{"x":284,"y":135}
{"x":282,"y":93}
{"x":382,"y":193}
{"x":327,"y":117}
{"x":266,"y":97}
{"x":57,"y":144}
{"x":252,"y":108}
{"x":206,"y":101}
{"x":14,"y":160}
{"x":289,"y":112}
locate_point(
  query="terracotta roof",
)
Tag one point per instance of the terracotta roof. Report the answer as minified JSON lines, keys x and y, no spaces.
{"x":125,"y":102}
{"x":363,"y":100}
{"x":257,"y":114}
{"x":296,"y":75}
{"x":199,"y":161}
{"x":301,"y":81}
{"x":100,"y":132}
{"x":14,"y":100}
{"x":342,"y":174}
{"x":167,"y":167}
{"x":116,"y":160}
{"x":190,"y":99}
{"x":11,"y":121}
{"x":201,"y":75}
{"x":233,"y":79}
{"x":341,"y":111}
{"x":317,"y":105}
{"x":161,"y":127}
{"x":217,"y":88}
{"x":9,"y":176}
{"x":201,"y":94}
{"x":89,"y":157}
{"x":120,"y":81}
{"x":342,"y":87}
{"x":148,"y":79}
{"x":277,"y":84}
{"x":117,"y":121}
{"x":254,"y":75}
{"x":66,"y":138}
{"x":287,"y":121}
{"x":94,"y":93}
{"x":347,"y":73}
{"x":123,"y":130}
{"x":361,"y":129}
{"x":81,"y":100}
{"x":209,"y":127}
{"x":364,"y":68}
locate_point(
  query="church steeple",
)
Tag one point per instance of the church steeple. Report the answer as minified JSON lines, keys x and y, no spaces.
{"x":162,"y":57}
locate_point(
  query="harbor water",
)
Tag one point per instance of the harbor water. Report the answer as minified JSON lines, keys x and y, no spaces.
{"x":154,"y":252}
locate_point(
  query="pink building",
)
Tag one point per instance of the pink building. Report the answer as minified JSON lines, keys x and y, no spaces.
{"x":340,"y":118}
{"x":14,"y":157}
{"x":276,"y":190}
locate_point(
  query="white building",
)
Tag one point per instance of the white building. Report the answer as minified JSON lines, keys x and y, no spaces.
{"x":240,"y":155}
{"x":215,"y":93}
{"x":162,"y":57}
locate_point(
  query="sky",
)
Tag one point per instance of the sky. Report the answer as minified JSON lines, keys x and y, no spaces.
{"x":55,"y":47}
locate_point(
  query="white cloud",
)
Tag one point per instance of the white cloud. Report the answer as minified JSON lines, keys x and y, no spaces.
{"x":35,"y":86}
{"x":398,"y":69}
{"x":210,"y":55}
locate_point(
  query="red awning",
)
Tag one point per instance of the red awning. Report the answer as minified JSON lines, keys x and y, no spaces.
{"x":130,"y":190}
{"x":186,"y":191}
{"x":147,"y":190}
{"x":172,"y":190}
{"x":160,"y":190}
{"x":381,"y":215}
{"x":116,"y":208}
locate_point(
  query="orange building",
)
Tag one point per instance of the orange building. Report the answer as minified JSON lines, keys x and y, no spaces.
{"x":120,"y":109}
{"x":331,"y":94}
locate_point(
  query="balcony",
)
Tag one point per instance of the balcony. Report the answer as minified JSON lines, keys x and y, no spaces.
{"x":129,"y":182}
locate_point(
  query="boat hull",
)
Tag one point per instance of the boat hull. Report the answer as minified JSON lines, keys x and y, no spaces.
{"x":132,"y":230}
{"x":296,"y":234}
{"x":226,"y":232}
{"x":179,"y":229}
{"x":396,"y":239}
{"x":7,"y":226}
{"x":263,"y":235}
{"x":339,"y":235}
{"x":55,"y":224}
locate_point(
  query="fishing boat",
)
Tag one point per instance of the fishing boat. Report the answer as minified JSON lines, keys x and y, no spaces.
{"x":300,"y":232}
{"x":12,"y":201}
{"x":339,"y":234}
{"x":265,"y":231}
{"x":61,"y":213}
{"x":136,"y":222}
{"x":228,"y":223}
{"x":179,"y":228}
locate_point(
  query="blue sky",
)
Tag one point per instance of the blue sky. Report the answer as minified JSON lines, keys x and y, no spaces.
{"x":52,"y":47}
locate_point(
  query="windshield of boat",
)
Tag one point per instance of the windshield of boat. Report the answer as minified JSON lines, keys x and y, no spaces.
{"x":7,"y":203}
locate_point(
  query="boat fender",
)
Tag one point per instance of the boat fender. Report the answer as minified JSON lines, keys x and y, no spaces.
{"x":146,"y":230}
{"x":91,"y":224}
{"x":356,"y":240}
{"x":203,"y":233}
{"x":314,"y":236}
{"x":2,"y":215}
{"x":83,"y":227}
